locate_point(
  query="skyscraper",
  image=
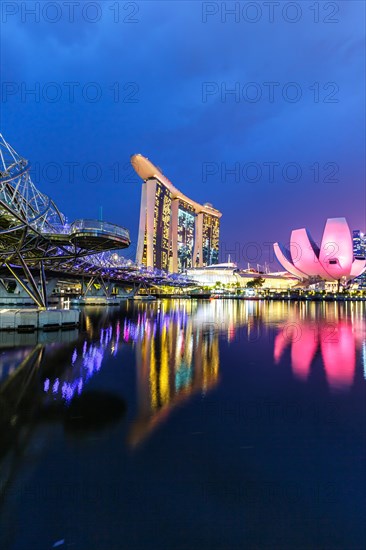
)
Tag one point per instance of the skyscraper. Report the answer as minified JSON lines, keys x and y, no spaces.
{"x":359,"y":243}
{"x":359,"y":251}
{"x":175,"y":232}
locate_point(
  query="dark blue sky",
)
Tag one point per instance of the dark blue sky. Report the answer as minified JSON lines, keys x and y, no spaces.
{"x":162,"y":55}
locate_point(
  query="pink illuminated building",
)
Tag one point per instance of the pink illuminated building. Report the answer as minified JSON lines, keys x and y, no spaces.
{"x":332,"y":261}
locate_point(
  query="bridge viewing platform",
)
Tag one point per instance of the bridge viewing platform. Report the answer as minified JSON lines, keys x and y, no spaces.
{"x":91,"y":235}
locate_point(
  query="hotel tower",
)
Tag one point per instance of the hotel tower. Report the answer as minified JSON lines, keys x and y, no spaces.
{"x":175,"y":232}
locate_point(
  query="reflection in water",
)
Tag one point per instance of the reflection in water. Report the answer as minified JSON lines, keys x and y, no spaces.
{"x":176,"y":351}
{"x":339,"y":354}
{"x":133,"y":368}
{"x":337,"y":338}
{"x":182,"y":358}
{"x":85,"y":361}
{"x":92,"y":411}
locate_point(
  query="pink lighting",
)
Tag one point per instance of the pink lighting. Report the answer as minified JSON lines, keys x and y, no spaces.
{"x":336,"y":252}
{"x":339,"y":355}
{"x":307,"y":254}
{"x":337,"y":342}
{"x":303,"y":351}
{"x":331,"y":262}
{"x":284,"y":257}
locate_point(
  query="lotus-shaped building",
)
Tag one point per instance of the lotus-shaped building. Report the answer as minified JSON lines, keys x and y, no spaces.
{"x":332,"y":261}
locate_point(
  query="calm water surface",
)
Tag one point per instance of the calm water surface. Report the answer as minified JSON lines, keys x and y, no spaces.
{"x":187,"y":424}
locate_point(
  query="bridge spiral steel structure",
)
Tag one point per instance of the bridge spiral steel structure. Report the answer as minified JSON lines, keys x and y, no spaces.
{"x":35,"y":236}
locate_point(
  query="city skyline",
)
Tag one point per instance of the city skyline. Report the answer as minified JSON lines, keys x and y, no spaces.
{"x":268,"y":163}
{"x":182,"y":274}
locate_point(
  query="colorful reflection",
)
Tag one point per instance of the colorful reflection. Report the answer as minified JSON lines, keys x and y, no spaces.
{"x":174,"y":347}
{"x":85,"y":361}
{"x":337,"y":339}
{"x":176,"y":356}
{"x":182,"y":359}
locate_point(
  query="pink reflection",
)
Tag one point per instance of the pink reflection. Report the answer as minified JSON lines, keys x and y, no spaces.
{"x":303,"y":351}
{"x":339,"y":354}
{"x":337,"y":341}
{"x":280,"y":344}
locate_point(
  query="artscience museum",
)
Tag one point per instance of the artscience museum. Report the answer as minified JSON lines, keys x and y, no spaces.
{"x":333,"y":260}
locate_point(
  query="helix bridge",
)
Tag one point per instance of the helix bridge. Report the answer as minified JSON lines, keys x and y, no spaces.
{"x":35,"y":238}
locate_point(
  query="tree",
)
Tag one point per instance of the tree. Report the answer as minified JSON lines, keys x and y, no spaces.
{"x":255,"y":283}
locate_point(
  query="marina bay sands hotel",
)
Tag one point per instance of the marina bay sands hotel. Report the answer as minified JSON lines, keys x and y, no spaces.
{"x":175,"y":232}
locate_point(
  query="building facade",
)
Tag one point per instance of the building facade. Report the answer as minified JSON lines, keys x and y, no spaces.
{"x":229,"y":274}
{"x":359,"y":251}
{"x":359,"y":243}
{"x":175,"y":232}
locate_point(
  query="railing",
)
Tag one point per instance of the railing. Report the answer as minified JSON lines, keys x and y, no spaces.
{"x":92,"y":226}
{"x":96,"y":226}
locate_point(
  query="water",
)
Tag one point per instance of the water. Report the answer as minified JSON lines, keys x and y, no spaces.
{"x":193,"y":424}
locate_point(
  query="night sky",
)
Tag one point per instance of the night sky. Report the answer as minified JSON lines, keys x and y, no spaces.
{"x":117,"y":78}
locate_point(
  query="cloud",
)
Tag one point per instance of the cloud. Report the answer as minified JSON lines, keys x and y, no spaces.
{"x":168,"y":56}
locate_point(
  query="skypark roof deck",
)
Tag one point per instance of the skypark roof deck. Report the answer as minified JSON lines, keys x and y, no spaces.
{"x":147,"y":170}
